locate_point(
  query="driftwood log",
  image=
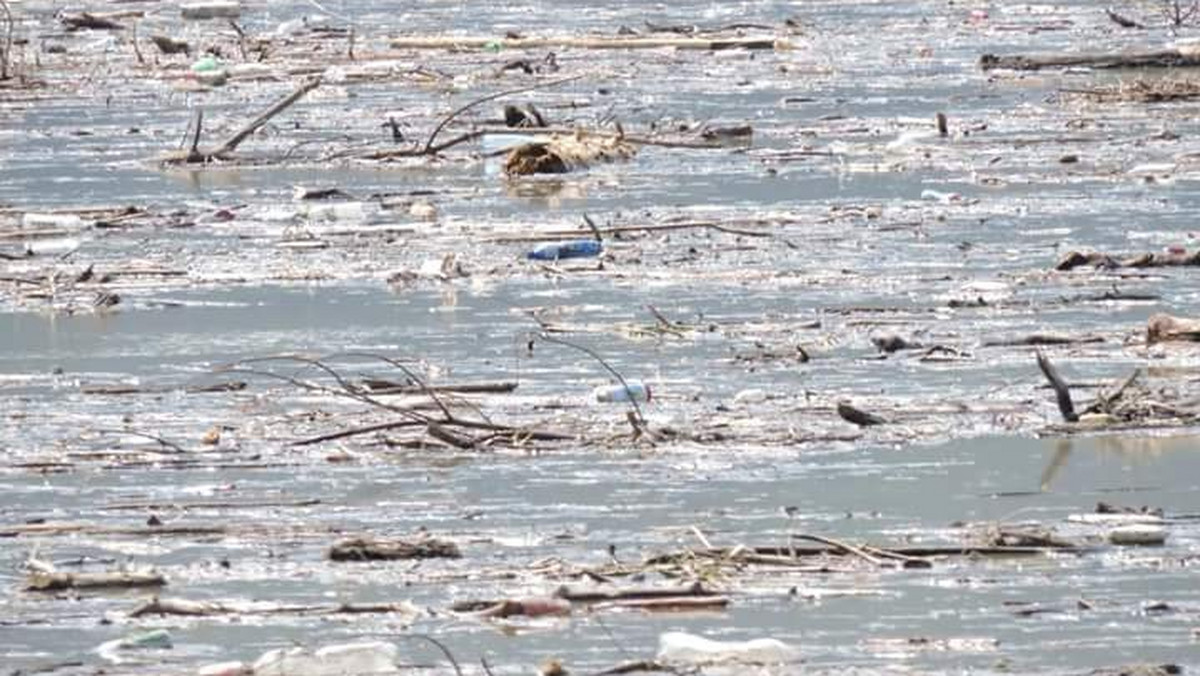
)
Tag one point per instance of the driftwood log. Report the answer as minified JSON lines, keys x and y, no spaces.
{"x":102,"y":21}
{"x":853,"y":414}
{"x":770,"y":555}
{"x":53,"y":581}
{"x":562,"y":154}
{"x":1162,"y":58}
{"x":1075,"y":259}
{"x":189,"y":608}
{"x":502,"y":608}
{"x":1163,"y":328}
{"x":597,"y":42}
{"x":366,"y":549}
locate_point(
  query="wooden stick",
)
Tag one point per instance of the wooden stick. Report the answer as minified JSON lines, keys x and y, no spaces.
{"x":248,"y":504}
{"x":194,"y":149}
{"x":356,"y":431}
{"x":53,"y":581}
{"x":701,"y":537}
{"x":463,"y":43}
{"x":840,"y":545}
{"x":1065,"y":406}
{"x":230,"y":144}
{"x":598,"y":595}
{"x":667,"y":604}
{"x":188,"y":608}
{"x":618,"y":229}
{"x":379,"y":387}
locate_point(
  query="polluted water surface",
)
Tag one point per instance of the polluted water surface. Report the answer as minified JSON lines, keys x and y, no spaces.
{"x":597,"y":338}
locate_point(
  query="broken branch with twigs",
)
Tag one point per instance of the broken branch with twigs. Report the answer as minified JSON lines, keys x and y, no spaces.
{"x":194,"y":155}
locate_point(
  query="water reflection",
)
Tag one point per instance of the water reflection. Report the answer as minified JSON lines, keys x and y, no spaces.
{"x":1132,"y":450}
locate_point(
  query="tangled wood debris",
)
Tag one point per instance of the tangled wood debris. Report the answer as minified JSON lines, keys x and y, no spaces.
{"x":1142,"y":91}
{"x":1076,"y":259}
{"x":222,"y":151}
{"x":1130,"y":403}
{"x":562,"y":154}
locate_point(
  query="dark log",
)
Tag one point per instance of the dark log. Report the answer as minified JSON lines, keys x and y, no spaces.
{"x":1165,"y":58}
{"x":364,"y":549}
{"x":1039,"y":339}
{"x":169,"y":45}
{"x":88,"y":21}
{"x":858,"y":416}
{"x":378,"y":386}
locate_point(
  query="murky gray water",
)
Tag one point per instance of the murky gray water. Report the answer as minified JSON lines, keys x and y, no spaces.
{"x":853,"y":250}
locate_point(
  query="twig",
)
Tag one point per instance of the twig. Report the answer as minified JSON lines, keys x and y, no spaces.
{"x":356,"y":431}
{"x":840,"y":545}
{"x":1122,"y":21}
{"x":641,"y":420}
{"x":166,"y":444}
{"x":346,"y":389}
{"x":410,"y":374}
{"x":649,"y":227}
{"x":635,"y":139}
{"x":133,"y":39}
{"x":491,"y":97}
{"x":1104,"y":401}
{"x":700,"y":536}
{"x":241,"y":37}
{"x":592,"y":226}
{"x":445,"y":651}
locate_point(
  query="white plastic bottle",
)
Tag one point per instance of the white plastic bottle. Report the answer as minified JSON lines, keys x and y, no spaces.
{"x":361,"y":659}
{"x":632,"y":390}
{"x":681,"y":647}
